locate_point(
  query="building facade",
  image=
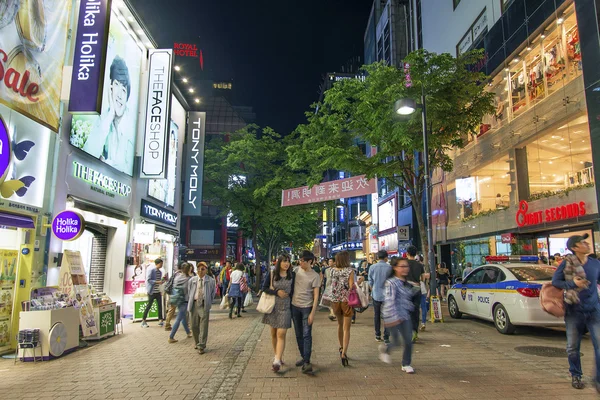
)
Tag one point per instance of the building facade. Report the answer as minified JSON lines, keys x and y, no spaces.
{"x":526,"y":181}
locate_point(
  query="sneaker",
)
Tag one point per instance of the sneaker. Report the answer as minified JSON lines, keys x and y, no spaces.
{"x":378,"y":338}
{"x":422,"y":328}
{"x":307,"y":368}
{"x":276,"y":366}
{"x":144,"y":324}
{"x":383,"y":354}
{"x":415,"y":336}
{"x":577,"y":383}
{"x":161,"y":323}
{"x":386,"y":340}
{"x":408,"y":369}
{"x":173,"y":340}
{"x":167,"y":327}
{"x":300,"y":363}
{"x":201,"y":351}
{"x":331,"y":318}
{"x":353,"y":321}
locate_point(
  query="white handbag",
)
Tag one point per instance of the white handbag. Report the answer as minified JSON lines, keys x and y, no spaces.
{"x":266,"y":303}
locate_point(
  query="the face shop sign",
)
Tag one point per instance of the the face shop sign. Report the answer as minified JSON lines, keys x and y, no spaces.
{"x":157,"y":213}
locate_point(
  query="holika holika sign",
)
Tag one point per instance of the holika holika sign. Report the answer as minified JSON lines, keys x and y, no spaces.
{"x":68,"y":225}
{"x":154,"y":157}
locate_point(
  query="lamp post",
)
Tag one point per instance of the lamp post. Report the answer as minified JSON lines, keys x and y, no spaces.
{"x":407,"y":107}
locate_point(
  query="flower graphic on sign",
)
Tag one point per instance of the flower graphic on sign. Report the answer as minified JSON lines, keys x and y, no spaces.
{"x":106,"y":321}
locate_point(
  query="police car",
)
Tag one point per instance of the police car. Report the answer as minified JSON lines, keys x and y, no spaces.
{"x":507,"y":294}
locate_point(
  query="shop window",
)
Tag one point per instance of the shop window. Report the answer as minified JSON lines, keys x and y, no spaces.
{"x":561,"y":159}
{"x":572,"y":44}
{"x":475,"y":251}
{"x":488,"y":189}
{"x":498,"y":86}
{"x":536,"y":88}
{"x":518,"y":87}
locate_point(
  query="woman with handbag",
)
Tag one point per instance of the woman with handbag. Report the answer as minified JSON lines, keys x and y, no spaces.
{"x":234,"y":291}
{"x":280,"y":284}
{"x":342,"y":283}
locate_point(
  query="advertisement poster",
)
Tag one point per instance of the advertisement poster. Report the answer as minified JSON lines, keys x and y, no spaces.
{"x":110,"y":137}
{"x":135,"y":277}
{"x":33,"y":38}
{"x":8,"y":264}
{"x":86,"y":311}
{"x":164,"y":189}
{"x":25,"y":181}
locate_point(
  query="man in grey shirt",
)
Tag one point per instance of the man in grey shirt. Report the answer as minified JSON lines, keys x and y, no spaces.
{"x":378,"y":273}
{"x":305,"y":301}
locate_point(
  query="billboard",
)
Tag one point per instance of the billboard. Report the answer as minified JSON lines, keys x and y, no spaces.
{"x":32,"y":50}
{"x":156,"y":134}
{"x":333,"y":190}
{"x":194,"y":164}
{"x":110,"y":137}
{"x":25,"y":181}
{"x":164,"y":189}
{"x":88,"y":58}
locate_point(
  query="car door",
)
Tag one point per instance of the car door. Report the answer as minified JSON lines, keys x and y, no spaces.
{"x":487,"y":290}
{"x":469,"y":289}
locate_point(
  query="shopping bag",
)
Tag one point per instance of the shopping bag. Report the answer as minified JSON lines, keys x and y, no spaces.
{"x":249,"y":300}
{"x":224,"y":303}
{"x":326,"y":298}
{"x":266,"y":303}
{"x":364,"y":298}
{"x":353,"y":299}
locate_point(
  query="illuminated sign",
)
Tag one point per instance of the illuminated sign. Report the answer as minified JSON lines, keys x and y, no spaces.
{"x":68,"y":225}
{"x":157,"y":213}
{"x":525,"y":218}
{"x":188,"y":50}
{"x":194,"y":164}
{"x":100,"y":181}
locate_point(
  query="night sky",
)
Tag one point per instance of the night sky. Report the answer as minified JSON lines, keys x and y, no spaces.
{"x":275,"y":51}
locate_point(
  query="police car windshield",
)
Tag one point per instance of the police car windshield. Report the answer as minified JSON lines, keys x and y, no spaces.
{"x":537,"y":273}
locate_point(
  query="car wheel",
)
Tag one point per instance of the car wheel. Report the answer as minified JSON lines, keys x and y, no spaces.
{"x":502,"y":320}
{"x":453,"y":308}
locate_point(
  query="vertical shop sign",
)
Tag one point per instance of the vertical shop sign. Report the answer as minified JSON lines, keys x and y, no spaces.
{"x":88,"y":60}
{"x":194,"y":164}
{"x":154,"y":157}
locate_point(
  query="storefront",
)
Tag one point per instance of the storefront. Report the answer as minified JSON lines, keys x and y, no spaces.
{"x":526,"y":182}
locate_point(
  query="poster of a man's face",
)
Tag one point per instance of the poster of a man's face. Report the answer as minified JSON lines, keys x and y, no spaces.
{"x":110,"y":137}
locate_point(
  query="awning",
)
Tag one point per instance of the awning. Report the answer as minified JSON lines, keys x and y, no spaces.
{"x":18,"y":221}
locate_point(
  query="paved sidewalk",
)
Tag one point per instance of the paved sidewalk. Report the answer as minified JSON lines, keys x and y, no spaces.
{"x":479,"y":363}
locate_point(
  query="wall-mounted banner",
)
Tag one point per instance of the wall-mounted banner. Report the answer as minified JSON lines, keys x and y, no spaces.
{"x":89,"y":56}
{"x":157,"y":213}
{"x":68,"y":225}
{"x":194,"y":164}
{"x":144,"y":233}
{"x":340,"y":189}
{"x":32,"y":51}
{"x":154,"y":157}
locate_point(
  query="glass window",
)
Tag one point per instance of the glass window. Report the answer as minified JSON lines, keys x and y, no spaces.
{"x":554,"y":58}
{"x":536,"y":88}
{"x":533,"y":273}
{"x":560,"y":159}
{"x":475,"y":277}
{"x":571,"y":41}
{"x":498,"y":86}
{"x":518,"y":87}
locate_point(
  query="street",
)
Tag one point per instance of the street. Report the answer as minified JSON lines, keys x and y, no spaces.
{"x":457,"y":359}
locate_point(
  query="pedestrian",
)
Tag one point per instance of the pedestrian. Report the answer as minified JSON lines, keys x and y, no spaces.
{"x":342,"y":280}
{"x":179,"y":298}
{"x":378,"y":273}
{"x":327,"y":284}
{"x":398,"y":305}
{"x":443,"y":275}
{"x":578,"y":276}
{"x":280,"y":319}
{"x":425,"y":294}
{"x":172,"y":308}
{"x":201,"y":293}
{"x":304,"y":305}
{"x":557,"y":260}
{"x":415,"y":274}
{"x":225,"y":277}
{"x":244,"y":287}
{"x":468,"y":269}
{"x":234,"y":291}
{"x":153,"y":282}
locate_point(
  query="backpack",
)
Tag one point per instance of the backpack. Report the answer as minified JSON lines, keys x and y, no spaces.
{"x":552,"y":300}
{"x":177,"y":296}
{"x":169,"y":285}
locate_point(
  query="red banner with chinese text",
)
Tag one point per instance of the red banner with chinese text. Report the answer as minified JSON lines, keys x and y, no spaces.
{"x":333,"y":190}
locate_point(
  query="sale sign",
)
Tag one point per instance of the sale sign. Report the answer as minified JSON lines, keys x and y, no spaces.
{"x":340,"y":189}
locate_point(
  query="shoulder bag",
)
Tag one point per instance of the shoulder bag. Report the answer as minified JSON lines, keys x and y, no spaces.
{"x":266,"y":303}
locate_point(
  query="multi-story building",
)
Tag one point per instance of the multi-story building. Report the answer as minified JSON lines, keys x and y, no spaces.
{"x":526,"y":181}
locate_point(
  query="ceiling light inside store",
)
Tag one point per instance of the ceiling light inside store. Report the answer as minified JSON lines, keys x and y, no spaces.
{"x":506,"y":69}
{"x":528,"y":48}
{"x":549,"y":162}
{"x":543,"y":36}
{"x":516,"y":60}
{"x":197,"y":100}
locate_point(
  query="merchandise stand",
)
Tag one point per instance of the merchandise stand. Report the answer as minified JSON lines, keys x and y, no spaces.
{"x":59,"y":331}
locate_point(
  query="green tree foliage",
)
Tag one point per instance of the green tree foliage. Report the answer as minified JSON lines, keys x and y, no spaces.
{"x":244,"y":174}
{"x":361,"y":111}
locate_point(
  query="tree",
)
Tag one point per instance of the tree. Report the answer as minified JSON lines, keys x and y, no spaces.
{"x":244,"y":175}
{"x":361,"y":111}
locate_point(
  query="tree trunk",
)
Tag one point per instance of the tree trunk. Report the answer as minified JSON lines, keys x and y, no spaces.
{"x":422,"y":228}
{"x":257,"y":255}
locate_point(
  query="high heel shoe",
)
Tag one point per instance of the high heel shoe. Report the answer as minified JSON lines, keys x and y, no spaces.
{"x":344,"y":360}
{"x":341,"y":348}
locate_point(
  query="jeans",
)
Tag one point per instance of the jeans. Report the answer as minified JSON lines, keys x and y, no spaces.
{"x":576,"y":324}
{"x":377,"y":319}
{"x":181,"y":316}
{"x":151,"y":298}
{"x":414,"y":314}
{"x":303,"y":331}
{"x":424,"y":308}
{"x":405,"y":330}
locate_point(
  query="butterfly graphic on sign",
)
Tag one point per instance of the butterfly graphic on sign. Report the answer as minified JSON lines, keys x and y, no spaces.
{"x":18,"y":186}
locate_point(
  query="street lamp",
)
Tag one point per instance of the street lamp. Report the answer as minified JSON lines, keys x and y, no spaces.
{"x":344,"y":206}
{"x":407,"y":107}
